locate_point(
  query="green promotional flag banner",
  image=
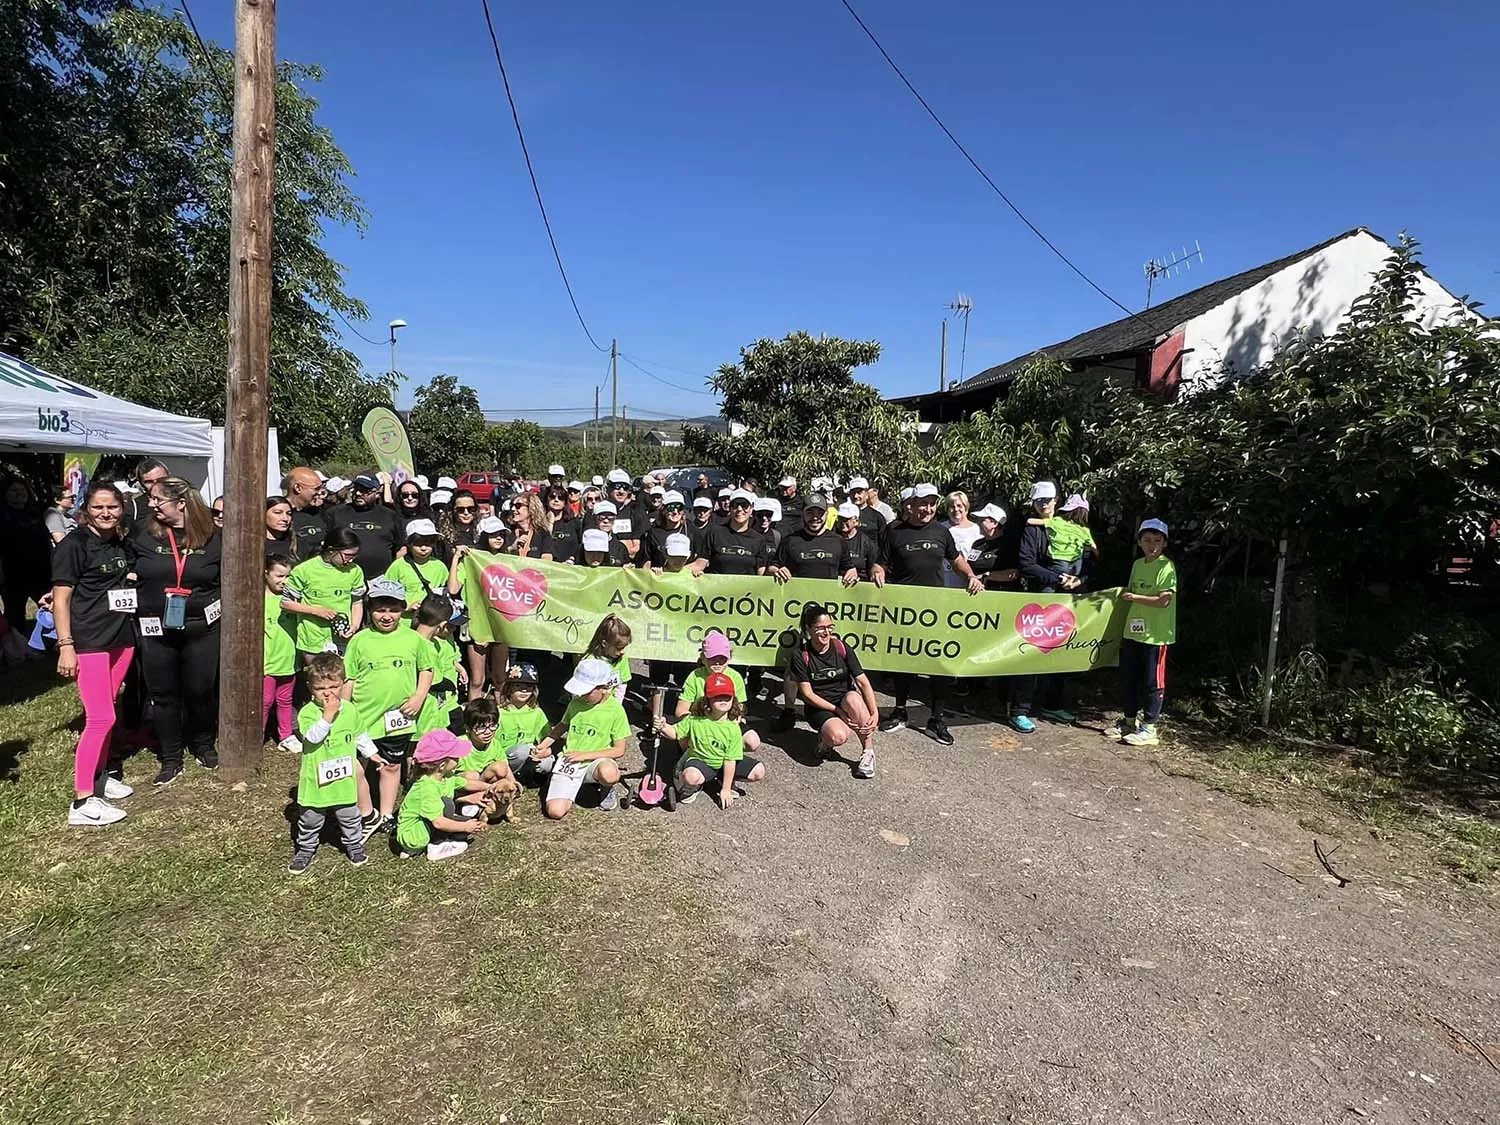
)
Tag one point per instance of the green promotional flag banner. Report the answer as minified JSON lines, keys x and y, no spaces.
{"x":556,"y":607}
{"x":386,"y":437}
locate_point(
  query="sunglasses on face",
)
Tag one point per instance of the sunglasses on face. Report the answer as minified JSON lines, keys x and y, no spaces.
{"x":606,"y":518}
{"x":675,"y":507}
{"x":465,"y":507}
{"x":739,"y":503}
{"x":218,"y":513}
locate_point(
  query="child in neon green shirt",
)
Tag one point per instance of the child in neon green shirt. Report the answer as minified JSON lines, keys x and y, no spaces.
{"x":333,"y":746}
{"x":1150,"y":629}
{"x":712,"y":743}
{"x":420,"y":574}
{"x":431,"y":820}
{"x":594,"y":731}
{"x":1069,"y":540}
{"x":280,"y":655}
{"x":485,"y":759}
{"x":440,"y":711}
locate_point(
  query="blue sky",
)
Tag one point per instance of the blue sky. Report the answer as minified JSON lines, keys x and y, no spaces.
{"x":719,"y":172}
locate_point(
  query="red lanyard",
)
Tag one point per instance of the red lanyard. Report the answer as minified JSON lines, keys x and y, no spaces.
{"x":178,"y":558}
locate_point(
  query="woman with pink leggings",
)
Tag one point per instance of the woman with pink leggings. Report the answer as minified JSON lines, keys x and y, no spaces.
{"x":94,"y":607}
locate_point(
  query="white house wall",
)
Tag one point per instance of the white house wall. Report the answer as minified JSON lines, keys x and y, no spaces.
{"x":1312,"y":295}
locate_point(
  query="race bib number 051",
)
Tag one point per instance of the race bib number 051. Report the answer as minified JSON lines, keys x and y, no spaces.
{"x":335,"y":769}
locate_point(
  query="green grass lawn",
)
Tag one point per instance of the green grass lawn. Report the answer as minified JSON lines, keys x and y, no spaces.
{"x":167,"y":969}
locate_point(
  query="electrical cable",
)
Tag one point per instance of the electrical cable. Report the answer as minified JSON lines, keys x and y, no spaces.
{"x":357,"y":332}
{"x":985,"y":175}
{"x":666,"y":382}
{"x":207,"y":58}
{"x":535,"y":187}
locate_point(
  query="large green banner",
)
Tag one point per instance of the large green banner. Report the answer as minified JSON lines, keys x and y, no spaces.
{"x":556,"y":607}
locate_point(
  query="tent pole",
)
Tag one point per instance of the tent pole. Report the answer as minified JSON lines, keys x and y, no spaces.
{"x":241,"y":626}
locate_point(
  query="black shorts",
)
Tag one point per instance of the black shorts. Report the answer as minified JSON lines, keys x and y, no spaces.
{"x":742,"y":769}
{"x":816,"y":716}
{"x":394,"y":748}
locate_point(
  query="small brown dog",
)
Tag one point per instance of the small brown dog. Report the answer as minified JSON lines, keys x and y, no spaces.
{"x":500,"y":800}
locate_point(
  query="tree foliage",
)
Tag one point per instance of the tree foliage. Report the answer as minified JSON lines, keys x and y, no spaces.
{"x":803,"y":412}
{"x":447,"y":428}
{"x":115,"y":155}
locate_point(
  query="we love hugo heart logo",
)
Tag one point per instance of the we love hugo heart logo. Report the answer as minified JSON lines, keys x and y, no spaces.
{"x":514,"y":594}
{"x":1046,"y":627}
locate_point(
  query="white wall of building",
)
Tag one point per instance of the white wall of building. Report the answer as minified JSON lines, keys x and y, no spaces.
{"x":1313,"y":295}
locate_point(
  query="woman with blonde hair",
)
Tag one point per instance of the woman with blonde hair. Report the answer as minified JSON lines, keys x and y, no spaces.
{"x":528,"y":522}
{"x":175,"y":555}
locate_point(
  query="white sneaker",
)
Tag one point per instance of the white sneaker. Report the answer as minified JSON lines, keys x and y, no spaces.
{"x":865,"y":769}
{"x":446,"y":849}
{"x":115,"y":789}
{"x":291,"y":744}
{"x":94,"y":813}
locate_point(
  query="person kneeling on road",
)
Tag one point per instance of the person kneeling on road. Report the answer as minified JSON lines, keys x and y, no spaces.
{"x":712,"y":743}
{"x":837,"y":699}
{"x":593,"y":730}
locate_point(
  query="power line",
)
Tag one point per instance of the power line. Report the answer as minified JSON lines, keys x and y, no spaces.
{"x":207,"y":58}
{"x":356,"y":331}
{"x":535,"y":187}
{"x":975,"y":164}
{"x":665,"y":382}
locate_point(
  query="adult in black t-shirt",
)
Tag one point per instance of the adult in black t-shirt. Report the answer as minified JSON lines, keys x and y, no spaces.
{"x":912,"y":554}
{"x":179,"y":548}
{"x":528,"y":525}
{"x":861,"y":550}
{"x":811,"y":551}
{"x":93,"y":611}
{"x":870,"y":519}
{"x":563,"y":528}
{"x":837,"y":699}
{"x":375,"y":525}
{"x":988,"y":555}
{"x":304,"y":492}
{"x":671,"y":520}
{"x":733,"y":547}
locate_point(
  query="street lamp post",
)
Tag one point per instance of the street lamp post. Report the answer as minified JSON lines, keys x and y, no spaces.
{"x":395,"y":326}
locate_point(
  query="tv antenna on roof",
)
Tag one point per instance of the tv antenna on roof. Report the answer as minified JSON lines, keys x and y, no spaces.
{"x":961,"y":306}
{"x":1170,"y":266}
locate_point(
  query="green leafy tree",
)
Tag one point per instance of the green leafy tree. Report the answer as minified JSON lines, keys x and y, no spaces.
{"x":447,"y":428}
{"x":115,"y":153}
{"x":803,"y":412}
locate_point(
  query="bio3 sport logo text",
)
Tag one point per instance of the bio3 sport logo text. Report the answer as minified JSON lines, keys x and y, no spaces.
{"x":54,"y":421}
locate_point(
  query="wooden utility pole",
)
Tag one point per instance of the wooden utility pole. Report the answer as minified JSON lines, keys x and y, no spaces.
{"x":943,"y":359}
{"x":242,"y":621}
{"x":614,"y":403}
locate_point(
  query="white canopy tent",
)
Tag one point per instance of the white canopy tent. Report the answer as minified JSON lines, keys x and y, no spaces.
{"x":44,"y":413}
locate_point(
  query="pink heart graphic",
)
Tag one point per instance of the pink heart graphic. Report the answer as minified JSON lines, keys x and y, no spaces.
{"x":514,"y":594}
{"x":1046,"y":627}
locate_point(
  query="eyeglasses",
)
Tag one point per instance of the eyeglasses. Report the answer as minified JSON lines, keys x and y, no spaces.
{"x":605,"y":517}
{"x":675,"y":507}
{"x":739,"y":503}
{"x":485,"y":727}
{"x":465,"y":507}
{"x":822,"y":628}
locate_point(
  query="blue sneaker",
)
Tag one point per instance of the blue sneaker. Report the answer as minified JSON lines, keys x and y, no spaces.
{"x":1022,"y":723}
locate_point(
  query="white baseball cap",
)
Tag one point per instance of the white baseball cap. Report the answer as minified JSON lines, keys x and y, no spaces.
{"x":421,"y":482}
{"x":703,"y":502}
{"x":787,"y":482}
{"x":595,"y":540}
{"x":1043,"y":490}
{"x":725,"y":493}
{"x":448,"y":483}
{"x":597,"y":480}
{"x":386,"y":588}
{"x":618,"y":476}
{"x":555,"y":471}
{"x":575,"y":486}
{"x":764,"y":504}
{"x":1151,"y":525}
{"x":321,"y":475}
{"x":741,"y":494}
{"x":335,"y":484}
{"x":925,"y":489}
{"x":848,"y":511}
{"x":656,"y":490}
{"x":421,"y":527}
{"x":673,"y":497}
{"x":907,"y":494}
{"x":1074,"y":502}
{"x":679,"y":546}
{"x":491,"y":525}
{"x":605,"y":507}
{"x":856,"y":483}
{"x":991,"y":511}
{"x":441,"y":496}
{"x":591,"y":673}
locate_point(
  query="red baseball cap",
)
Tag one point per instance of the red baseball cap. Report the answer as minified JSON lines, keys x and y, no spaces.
{"x":719,"y":686}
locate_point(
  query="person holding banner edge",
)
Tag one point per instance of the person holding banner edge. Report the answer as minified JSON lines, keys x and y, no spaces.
{"x":1042,"y":575}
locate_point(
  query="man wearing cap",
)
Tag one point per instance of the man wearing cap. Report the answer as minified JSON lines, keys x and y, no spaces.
{"x":630,"y":517}
{"x":670,"y":520}
{"x":912,"y":554}
{"x":1041,"y":574}
{"x":309,"y":525}
{"x":556,"y":475}
{"x":372,"y":522}
{"x":870,"y":519}
{"x":787,"y":494}
{"x":721,"y":507}
{"x":733,"y":547}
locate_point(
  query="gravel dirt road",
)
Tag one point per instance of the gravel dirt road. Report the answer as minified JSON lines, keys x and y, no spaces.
{"x":1050,"y":928}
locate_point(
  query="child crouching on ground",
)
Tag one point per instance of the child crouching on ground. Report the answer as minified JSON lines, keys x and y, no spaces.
{"x":333,"y":741}
{"x":715,"y":653}
{"x":1150,"y":629}
{"x":711,"y":743}
{"x":486,"y":760}
{"x":430,"y":820}
{"x":593,"y":731}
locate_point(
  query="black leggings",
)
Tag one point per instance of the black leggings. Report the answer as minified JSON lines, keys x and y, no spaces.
{"x":937,"y":685}
{"x":1048,"y":692}
{"x":182,"y":676}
